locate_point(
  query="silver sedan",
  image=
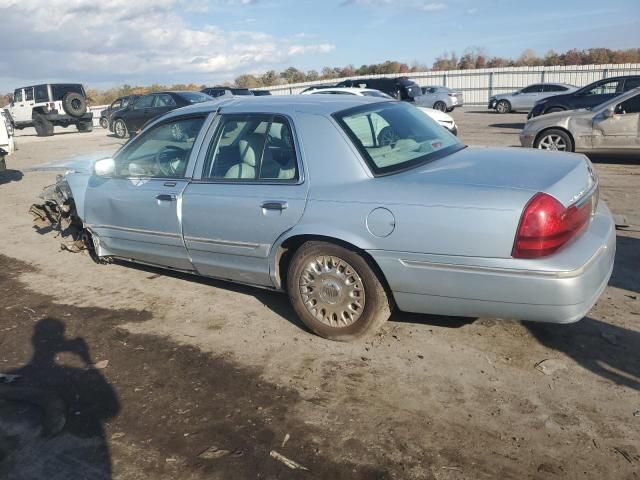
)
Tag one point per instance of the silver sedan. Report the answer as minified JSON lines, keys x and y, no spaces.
{"x":524,"y":99}
{"x":613,"y":125}
{"x":352,"y":205}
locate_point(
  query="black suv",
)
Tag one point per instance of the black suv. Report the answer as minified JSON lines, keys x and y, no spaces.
{"x":401,"y":88}
{"x":226,"y":91}
{"x":587,"y":97}
{"x":52,"y":104}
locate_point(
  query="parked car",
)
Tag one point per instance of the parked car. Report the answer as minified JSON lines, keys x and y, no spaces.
{"x":362,"y":203}
{"x":260,"y":93}
{"x":49,"y":105}
{"x":586,"y":97}
{"x":402,"y":88}
{"x":613,"y":125}
{"x":216,"y":92}
{"x":440,"y":98}
{"x":442,"y":118}
{"x":7,"y":144}
{"x":118,"y":104}
{"x":524,"y":98}
{"x":129,"y":120}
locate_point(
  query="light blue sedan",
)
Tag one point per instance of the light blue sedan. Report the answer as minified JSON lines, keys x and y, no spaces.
{"x":352,"y":205}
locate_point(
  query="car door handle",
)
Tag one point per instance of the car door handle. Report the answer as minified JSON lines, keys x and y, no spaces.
{"x":166,"y":197}
{"x":274,"y":205}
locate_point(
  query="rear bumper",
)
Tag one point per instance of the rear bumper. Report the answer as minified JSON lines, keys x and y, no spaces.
{"x":56,"y":117}
{"x":559,"y":289}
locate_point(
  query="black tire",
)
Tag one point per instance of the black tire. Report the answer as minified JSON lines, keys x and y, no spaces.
{"x":86,"y":126}
{"x":555,"y":109}
{"x":104,"y":123}
{"x":377,"y":303}
{"x":120,"y":128}
{"x":440,"y":105}
{"x":74,"y":104}
{"x":503,"y":106}
{"x":547,"y":137}
{"x":450,"y":109}
{"x":44,"y":128}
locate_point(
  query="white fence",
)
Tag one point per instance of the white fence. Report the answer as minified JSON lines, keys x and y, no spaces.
{"x":478,"y":85}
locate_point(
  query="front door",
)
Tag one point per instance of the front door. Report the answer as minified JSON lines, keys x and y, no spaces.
{"x":135,"y":212}
{"x":527,"y":97}
{"x":248,"y":192}
{"x":622,"y":129}
{"x":21,"y":108}
{"x":139,"y":113}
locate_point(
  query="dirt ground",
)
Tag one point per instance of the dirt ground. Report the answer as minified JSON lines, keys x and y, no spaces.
{"x":170,"y":376}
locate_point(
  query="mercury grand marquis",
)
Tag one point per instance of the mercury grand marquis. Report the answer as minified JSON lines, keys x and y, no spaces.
{"x":353,"y":206}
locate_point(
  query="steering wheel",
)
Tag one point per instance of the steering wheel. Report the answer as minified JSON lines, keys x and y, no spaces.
{"x":388,"y":136}
{"x":170,"y":160}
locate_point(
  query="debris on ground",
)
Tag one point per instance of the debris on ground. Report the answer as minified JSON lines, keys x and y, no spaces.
{"x":6,"y":378}
{"x":636,"y":413}
{"x":610,"y":337}
{"x":287,"y":461}
{"x":117,"y":435}
{"x":101,"y":365}
{"x":624,"y":454}
{"x":549,"y":366}
{"x":286,"y":439}
{"x":212,"y":453}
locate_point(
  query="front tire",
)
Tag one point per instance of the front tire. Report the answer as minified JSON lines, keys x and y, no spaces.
{"x":336,"y":293}
{"x":43,"y":127}
{"x":120,"y":129}
{"x":555,"y":140}
{"x":439,"y":105}
{"x":503,"y":106}
{"x":104,"y":123}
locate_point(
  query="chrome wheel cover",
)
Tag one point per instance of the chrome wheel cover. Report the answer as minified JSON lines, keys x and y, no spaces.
{"x":121,"y":130}
{"x":553,"y":142}
{"x":332,"y":291}
{"x":502,"y":107}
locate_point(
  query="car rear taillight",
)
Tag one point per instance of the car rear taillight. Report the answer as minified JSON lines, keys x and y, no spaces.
{"x":546,"y":225}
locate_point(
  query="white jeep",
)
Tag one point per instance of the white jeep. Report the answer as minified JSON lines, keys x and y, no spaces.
{"x":52,"y":104}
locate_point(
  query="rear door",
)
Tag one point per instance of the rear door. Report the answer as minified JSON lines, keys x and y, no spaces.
{"x":248,"y":190}
{"x":135,"y":212}
{"x":622,"y":130}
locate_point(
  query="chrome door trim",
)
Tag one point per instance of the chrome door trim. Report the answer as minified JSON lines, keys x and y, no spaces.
{"x":227,"y":243}
{"x":135,"y":230}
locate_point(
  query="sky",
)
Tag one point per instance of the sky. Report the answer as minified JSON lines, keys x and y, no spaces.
{"x":104,"y":43}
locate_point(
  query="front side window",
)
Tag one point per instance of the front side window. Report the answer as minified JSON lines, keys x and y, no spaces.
{"x":116,"y":104}
{"x":28,"y":94}
{"x":161,"y":152}
{"x":395,"y":136}
{"x":144,"y":102}
{"x":252,"y":147}
{"x":532,"y":89}
{"x":631,"y":105}
{"x":604,"y":88}
{"x":17,"y":96}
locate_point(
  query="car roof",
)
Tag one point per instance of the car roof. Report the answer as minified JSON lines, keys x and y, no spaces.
{"x":355,"y":90}
{"x":281,"y":104}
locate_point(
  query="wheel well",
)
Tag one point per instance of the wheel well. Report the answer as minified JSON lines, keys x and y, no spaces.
{"x":290,"y":246}
{"x":573,"y":142}
{"x":37,"y":110}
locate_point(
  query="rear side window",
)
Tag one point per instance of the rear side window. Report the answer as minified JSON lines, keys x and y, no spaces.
{"x":252,"y":147}
{"x":164,"y":100}
{"x":59,"y":91}
{"x":554,"y":88}
{"x":532,"y":89}
{"x":41,"y":93}
{"x":28,"y":94}
{"x":144,"y":102}
{"x":394,"y":136}
{"x":631,"y":83}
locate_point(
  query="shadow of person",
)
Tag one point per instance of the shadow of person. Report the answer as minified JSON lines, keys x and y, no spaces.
{"x":606,"y":350}
{"x":52,"y":415}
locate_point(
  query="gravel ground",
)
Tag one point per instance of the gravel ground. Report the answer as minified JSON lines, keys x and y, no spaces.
{"x":169,"y":376}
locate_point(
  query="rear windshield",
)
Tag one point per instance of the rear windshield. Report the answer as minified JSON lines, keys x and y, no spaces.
{"x":195,"y":97}
{"x":60,"y":90}
{"x":406,"y":82}
{"x":395,"y":136}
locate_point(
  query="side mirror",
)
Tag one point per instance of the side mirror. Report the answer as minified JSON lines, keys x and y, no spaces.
{"x":105,"y":167}
{"x":609,"y":112}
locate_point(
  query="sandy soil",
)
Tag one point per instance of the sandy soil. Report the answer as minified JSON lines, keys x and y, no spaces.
{"x":197,"y":364}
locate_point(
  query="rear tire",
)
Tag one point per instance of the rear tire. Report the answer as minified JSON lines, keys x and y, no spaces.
{"x":104,"y":123}
{"x":74,"y":104}
{"x":120,"y":129}
{"x":336,"y":293}
{"x":44,"y":128}
{"x":85,"y":126}
{"x":440,"y":105}
{"x":554,"y":140}
{"x":503,"y":106}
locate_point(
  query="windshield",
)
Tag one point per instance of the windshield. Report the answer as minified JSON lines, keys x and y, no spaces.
{"x":394,"y":136}
{"x":195,"y":97}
